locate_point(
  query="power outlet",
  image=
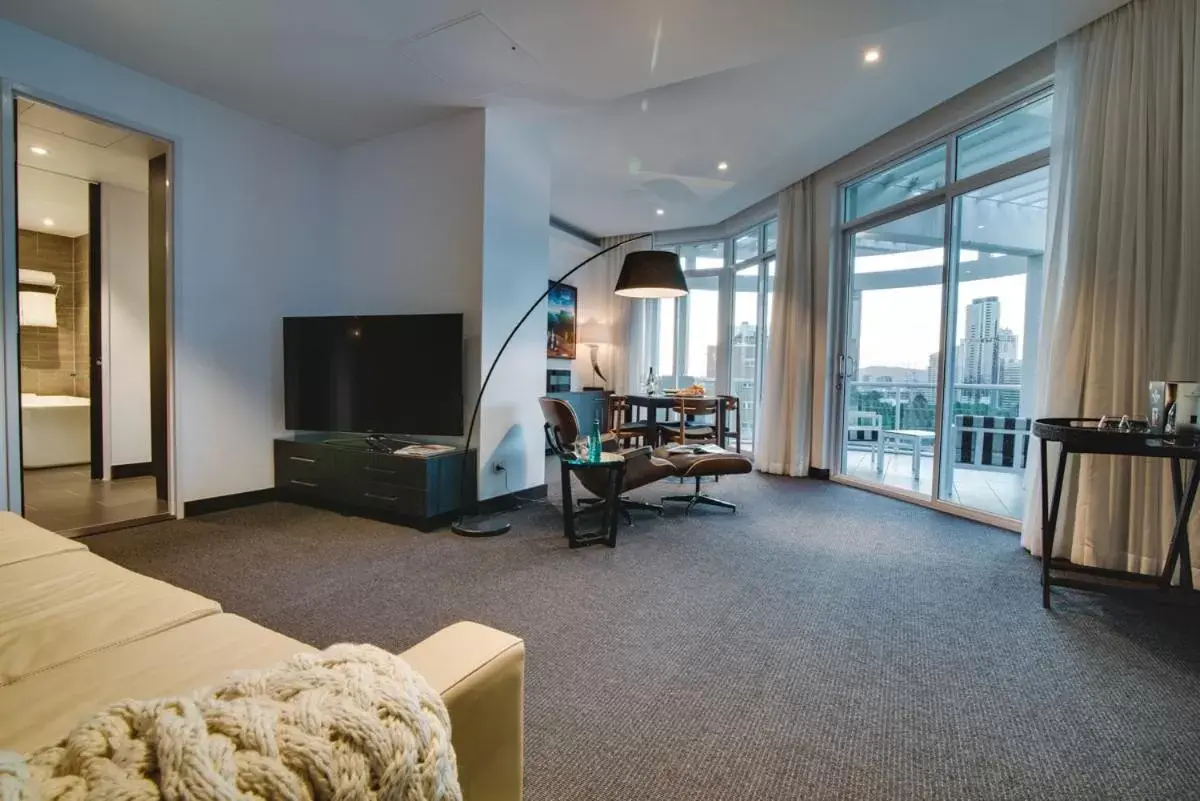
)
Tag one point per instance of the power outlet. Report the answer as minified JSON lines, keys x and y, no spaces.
{"x":498,"y":467}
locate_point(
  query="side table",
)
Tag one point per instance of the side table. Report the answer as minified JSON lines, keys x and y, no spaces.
{"x":1081,"y":435}
{"x":610,"y":507}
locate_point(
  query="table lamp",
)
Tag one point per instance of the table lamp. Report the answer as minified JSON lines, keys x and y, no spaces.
{"x":594,"y":335}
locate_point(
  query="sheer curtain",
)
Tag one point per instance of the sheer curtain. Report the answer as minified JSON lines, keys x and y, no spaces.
{"x":1123,"y":267}
{"x":625,"y":315}
{"x":784,"y":428}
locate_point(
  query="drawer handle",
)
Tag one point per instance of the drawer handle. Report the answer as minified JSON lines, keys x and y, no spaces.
{"x":302,"y":483}
{"x":384,"y":470}
{"x":379,"y":497}
{"x":302,"y":459}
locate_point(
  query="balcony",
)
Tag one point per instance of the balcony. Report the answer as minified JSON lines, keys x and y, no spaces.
{"x":913,"y":407}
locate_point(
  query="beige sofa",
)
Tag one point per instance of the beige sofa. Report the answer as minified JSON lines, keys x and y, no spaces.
{"x":78,"y":632}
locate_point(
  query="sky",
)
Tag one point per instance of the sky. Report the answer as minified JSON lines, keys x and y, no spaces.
{"x":901,"y":327}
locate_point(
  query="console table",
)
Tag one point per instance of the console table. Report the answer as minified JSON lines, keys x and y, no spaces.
{"x":1081,"y":435}
{"x":341,"y":472}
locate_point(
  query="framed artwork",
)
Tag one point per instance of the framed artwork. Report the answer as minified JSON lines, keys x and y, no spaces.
{"x":563,"y":303}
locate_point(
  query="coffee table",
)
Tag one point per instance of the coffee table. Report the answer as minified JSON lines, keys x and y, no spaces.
{"x":915,"y":437}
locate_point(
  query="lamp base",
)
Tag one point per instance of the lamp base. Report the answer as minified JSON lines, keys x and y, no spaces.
{"x":479,"y":528}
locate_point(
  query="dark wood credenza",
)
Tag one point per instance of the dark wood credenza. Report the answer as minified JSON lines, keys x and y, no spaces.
{"x":343,"y":474}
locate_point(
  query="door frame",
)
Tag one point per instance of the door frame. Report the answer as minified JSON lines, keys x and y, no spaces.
{"x":12,"y":493}
{"x":96,"y":365}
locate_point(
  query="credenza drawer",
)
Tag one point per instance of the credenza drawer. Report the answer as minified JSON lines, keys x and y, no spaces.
{"x":303,"y":460}
{"x":383,"y":468}
{"x":385,"y":497}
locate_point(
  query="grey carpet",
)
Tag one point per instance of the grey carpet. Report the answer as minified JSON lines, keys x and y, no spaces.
{"x":824,"y":643}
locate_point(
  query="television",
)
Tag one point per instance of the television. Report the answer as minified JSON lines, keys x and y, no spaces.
{"x":390,"y":374}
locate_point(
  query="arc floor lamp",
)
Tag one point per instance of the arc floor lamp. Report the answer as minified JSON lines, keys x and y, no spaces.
{"x":644,"y":274}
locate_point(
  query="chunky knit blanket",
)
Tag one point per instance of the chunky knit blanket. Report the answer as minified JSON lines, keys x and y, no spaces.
{"x":351,"y":722}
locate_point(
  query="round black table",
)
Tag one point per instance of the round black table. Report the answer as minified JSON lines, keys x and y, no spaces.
{"x":1082,"y":435}
{"x":610,"y":504}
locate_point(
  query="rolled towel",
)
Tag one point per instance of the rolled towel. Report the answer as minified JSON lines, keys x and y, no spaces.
{"x":35,"y":277}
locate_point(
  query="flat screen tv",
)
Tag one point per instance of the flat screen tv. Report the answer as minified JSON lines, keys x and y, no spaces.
{"x":391,"y":374}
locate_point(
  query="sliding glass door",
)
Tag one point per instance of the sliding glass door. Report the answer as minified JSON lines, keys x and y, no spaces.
{"x":893,"y":332}
{"x":995,"y":309}
{"x":942,"y":257}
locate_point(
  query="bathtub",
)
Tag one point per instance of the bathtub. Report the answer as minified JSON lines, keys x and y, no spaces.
{"x":55,"y":430}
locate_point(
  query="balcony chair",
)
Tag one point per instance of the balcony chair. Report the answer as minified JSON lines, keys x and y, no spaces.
{"x":991,"y":443}
{"x":866,"y":427}
{"x":641,"y":466}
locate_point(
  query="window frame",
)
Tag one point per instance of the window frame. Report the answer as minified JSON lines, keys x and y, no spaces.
{"x":945,"y":196}
{"x":726,"y":287}
{"x":951,"y":186}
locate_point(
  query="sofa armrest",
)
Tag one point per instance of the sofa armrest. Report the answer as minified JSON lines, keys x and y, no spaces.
{"x":480,"y":673}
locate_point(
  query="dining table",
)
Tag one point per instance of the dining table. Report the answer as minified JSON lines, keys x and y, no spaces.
{"x":652,"y":404}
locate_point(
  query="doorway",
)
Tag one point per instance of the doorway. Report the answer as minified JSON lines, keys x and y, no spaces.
{"x":91,"y":302}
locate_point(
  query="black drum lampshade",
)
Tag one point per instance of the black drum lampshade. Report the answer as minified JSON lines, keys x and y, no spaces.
{"x":651,"y":274}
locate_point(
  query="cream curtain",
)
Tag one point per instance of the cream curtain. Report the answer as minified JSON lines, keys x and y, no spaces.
{"x":626,"y":318}
{"x":782,"y":440}
{"x":1123,"y":267}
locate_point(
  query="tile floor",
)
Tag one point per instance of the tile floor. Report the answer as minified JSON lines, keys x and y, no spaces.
{"x":67,"y":500}
{"x":994,"y":491}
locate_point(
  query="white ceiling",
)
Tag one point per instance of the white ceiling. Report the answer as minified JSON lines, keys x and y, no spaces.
{"x":647,"y":96}
{"x":78,"y":150}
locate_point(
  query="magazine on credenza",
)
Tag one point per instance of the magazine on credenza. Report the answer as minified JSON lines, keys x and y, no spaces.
{"x":423,"y":451}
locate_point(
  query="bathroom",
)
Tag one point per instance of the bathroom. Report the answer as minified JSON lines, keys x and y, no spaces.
{"x":55,"y":361}
{"x":85,"y":307}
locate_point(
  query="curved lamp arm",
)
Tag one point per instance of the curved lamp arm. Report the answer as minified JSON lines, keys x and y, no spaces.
{"x":459,"y":527}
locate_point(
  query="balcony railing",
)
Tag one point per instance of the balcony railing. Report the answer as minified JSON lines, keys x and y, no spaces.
{"x":914,"y":405}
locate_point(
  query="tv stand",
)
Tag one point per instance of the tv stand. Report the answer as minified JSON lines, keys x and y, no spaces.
{"x":345,"y":474}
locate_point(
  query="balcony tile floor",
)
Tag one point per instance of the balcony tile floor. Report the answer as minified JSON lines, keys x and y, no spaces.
{"x":994,"y":491}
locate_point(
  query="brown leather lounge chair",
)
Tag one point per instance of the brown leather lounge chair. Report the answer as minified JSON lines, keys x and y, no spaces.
{"x":641,"y":466}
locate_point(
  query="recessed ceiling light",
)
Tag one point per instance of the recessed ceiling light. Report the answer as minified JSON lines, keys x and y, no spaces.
{"x":660,"y":212}
{"x":38,"y":150}
{"x":871,"y":56}
{"x":982,"y":227}
{"x":49,"y":223}
{"x":723,"y":166}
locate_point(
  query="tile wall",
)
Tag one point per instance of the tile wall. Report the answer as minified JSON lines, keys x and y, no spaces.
{"x":54,"y":361}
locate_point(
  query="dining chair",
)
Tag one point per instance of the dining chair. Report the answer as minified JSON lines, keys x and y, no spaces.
{"x":626,"y":430}
{"x":731,"y":405}
{"x":686,"y":429}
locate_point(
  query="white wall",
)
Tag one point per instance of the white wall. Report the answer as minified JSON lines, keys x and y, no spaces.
{"x":125,"y":324}
{"x":409,"y":228}
{"x":515,"y":272}
{"x":252,"y":243}
{"x":567,"y":251}
{"x":451,"y":217}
